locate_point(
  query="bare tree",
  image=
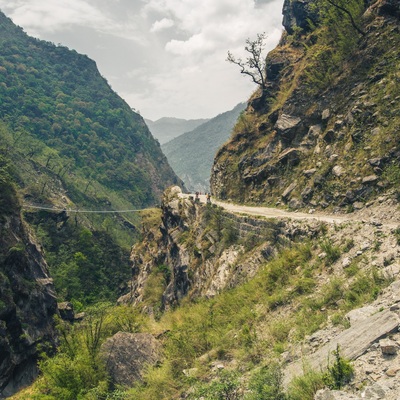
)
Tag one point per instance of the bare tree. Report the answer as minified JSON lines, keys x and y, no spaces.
{"x":254,"y":65}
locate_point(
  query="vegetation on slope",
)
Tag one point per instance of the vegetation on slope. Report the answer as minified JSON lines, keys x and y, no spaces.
{"x":244,"y":329}
{"x":73,"y":143}
{"x":191,"y":155}
{"x":329,"y":125}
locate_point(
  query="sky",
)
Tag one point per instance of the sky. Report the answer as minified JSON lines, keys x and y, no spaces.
{"x":165,"y":58}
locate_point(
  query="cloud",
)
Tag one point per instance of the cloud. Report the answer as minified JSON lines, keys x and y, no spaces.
{"x":40,"y":17}
{"x":162,"y":24}
{"x":165,"y":57}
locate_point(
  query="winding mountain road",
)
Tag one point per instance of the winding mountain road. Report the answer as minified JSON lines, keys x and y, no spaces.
{"x":393,"y":220}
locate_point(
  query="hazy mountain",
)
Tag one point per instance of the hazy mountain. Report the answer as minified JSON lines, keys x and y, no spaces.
{"x":191,"y":155}
{"x":165,"y":129}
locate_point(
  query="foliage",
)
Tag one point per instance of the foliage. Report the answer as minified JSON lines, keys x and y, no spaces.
{"x":334,"y":41}
{"x":304,"y":387}
{"x":225,"y":387}
{"x":191,"y":155}
{"x":339,"y":373}
{"x":266,"y":384}
{"x":87,"y":266}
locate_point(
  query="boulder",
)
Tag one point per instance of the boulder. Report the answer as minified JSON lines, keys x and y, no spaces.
{"x":388,"y":347}
{"x":127,"y":356}
{"x":370,"y":179}
{"x":289,"y":157}
{"x":337,"y":170}
{"x":286,"y":125}
{"x":288,"y":191}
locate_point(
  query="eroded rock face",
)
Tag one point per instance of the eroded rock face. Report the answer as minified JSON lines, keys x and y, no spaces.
{"x":27,"y":305}
{"x":297,"y":13}
{"x":127,"y":355}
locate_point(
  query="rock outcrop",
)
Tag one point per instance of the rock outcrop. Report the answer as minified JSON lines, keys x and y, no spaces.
{"x":127,"y":355}
{"x":199,"y":250}
{"x":308,"y":124}
{"x":27,"y":302}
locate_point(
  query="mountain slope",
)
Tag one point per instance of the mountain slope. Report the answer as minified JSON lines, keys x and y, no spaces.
{"x":166,"y":129}
{"x":191,"y":155}
{"x":58,"y":97}
{"x":326,"y":133}
{"x":75,"y":144}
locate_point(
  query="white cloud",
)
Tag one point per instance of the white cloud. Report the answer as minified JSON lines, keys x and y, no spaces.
{"x":171,"y":61}
{"x":162,"y":24}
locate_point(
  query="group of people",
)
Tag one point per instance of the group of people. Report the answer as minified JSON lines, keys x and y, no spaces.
{"x":197,"y":198}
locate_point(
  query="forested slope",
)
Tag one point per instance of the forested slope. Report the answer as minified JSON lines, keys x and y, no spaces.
{"x":191,"y":154}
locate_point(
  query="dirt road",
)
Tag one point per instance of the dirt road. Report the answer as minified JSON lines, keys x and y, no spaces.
{"x":392,"y":220}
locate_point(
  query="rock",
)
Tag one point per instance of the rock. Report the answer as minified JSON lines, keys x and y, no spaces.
{"x":327,"y":394}
{"x":388,"y":347}
{"x":373,"y":392}
{"x":297,"y":13}
{"x":127,"y":355}
{"x":375,"y":162}
{"x":288,"y":191}
{"x":346,"y":262}
{"x":360,"y":314}
{"x":353,"y":342}
{"x":370,"y":179}
{"x":358,"y":205}
{"x":314,"y":131}
{"x":287,"y":125}
{"x":329,"y":136}
{"x":289,"y":157}
{"x":326,"y":114}
{"x":295,"y":204}
{"x":309,"y":172}
{"x":307,"y":193}
{"x":66,"y":311}
{"x":392,"y":372}
{"x":275,"y":66}
{"x":337,"y":170}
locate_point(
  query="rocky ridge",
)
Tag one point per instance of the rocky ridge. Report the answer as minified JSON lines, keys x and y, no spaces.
{"x":319,"y":144}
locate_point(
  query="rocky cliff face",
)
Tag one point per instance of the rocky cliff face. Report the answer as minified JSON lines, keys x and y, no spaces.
{"x":27,"y":301}
{"x":327,"y":134}
{"x":197,"y":250}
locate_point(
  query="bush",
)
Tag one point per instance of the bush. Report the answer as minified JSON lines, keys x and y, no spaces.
{"x":266,"y":384}
{"x":339,"y":373}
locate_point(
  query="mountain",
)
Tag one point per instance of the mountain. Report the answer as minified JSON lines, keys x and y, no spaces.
{"x":165,"y":129}
{"x":301,"y":306}
{"x":75,"y":144}
{"x":69,"y":145}
{"x":324,"y":132}
{"x":191,"y":154}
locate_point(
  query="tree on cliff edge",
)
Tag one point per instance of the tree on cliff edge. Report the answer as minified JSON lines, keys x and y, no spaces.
{"x":254,"y":65}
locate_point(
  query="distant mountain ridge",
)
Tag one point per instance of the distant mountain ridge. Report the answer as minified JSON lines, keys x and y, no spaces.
{"x":167,"y":128}
{"x":191,"y":155}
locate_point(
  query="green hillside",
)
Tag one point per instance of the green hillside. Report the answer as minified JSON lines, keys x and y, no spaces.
{"x":75,"y":144}
{"x":191,"y":155}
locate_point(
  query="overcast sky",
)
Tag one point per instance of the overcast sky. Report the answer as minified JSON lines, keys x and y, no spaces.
{"x":166,"y":58}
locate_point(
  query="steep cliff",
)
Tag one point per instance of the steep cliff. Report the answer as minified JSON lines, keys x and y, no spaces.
{"x":190,"y":250}
{"x":327,"y":131}
{"x":27,"y":298}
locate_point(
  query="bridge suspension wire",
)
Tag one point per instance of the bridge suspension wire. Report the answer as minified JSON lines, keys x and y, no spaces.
{"x":83,"y":211}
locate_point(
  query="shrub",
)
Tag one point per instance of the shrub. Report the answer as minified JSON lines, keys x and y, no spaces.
{"x":339,"y":373}
{"x":266,"y":384}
